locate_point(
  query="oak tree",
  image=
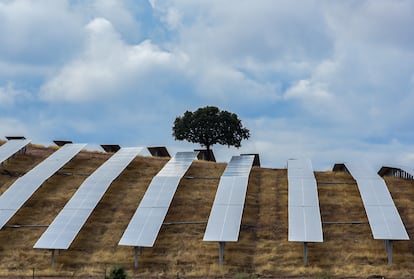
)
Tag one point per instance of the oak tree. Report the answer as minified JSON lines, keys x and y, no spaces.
{"x":210,"y":125}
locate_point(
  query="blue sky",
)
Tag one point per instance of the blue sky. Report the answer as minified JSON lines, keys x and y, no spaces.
{"x":327,"y":80}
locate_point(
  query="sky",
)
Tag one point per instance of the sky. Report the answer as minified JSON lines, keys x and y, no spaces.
{"x":332,"y":81}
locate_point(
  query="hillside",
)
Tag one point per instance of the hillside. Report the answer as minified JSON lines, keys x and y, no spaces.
{"x":348,"y":250}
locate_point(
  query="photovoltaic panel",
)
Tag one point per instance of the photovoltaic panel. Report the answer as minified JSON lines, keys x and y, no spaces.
{"x":160,"y":193}
{"x":304,"y":224}
{"x":224,"y":223}
{"x":383,"y":217}
{"x":408,"y":170}
{"x":11,"y":147}
{"x":23,"y":188}
{"x":303,"y":192}
{"x":398,"y":171}
{"x":73,"y":216}
{"x":226,"y":214}
{"x":234,"y":192}
{"x":69,"y":222}
{"x":361,"y":170}
{"x":300,"y":169}
{"x":178,"y":165}
{"x":304,"y":217}
{"x":374,"y":192}
{"x":144,"y":226}
{"x":239,"y":166}
{"x":385,"y":223}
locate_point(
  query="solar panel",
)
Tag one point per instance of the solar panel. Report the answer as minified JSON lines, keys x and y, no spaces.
{"x":305,"y":223}
{"x":11,"y":147}
{"x":62,"y":142}
{"x":110,"y":148}
{"x":206,"y":155}
{"x":256,"y":161}
{"x":144,"y":226}
{"x":303,"y":193}
{"x":397,"y":171}
{"x":159,"y":151}
{"x":226,"y":213}
{"x":304,"y":216}
{"x":224,"y":223}
{"x":385,"y":223}
{"x":361,"y":170}
{"x":408,"y":170}
{"x":225,"y":217}
{"x":15,"y":137}
{"x":73,"y":216}
{"x":383,"y":217}
{"x":21,"y":190}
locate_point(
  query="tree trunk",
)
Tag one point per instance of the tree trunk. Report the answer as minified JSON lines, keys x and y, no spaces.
{"x":208,"y":153}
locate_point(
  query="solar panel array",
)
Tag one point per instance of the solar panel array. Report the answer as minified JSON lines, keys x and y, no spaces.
{"x":225,"y":216}
{"x":22,"y":189}
{"x":144,"y":226}
{"x":11,"y":147}
{"x":73,"y":216}
{"x":408,"y":170}
{"x":383,"y":217}
{"x":397,"y":171}
{"x":305,"y":223}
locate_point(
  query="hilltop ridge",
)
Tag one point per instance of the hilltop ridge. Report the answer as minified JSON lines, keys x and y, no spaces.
{"x":348,"y":250}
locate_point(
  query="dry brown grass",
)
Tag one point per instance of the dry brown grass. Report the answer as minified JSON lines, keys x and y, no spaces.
{"x":347,"y":250}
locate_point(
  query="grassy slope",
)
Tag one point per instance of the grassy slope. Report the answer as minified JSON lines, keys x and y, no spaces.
{"x":347,"y":251}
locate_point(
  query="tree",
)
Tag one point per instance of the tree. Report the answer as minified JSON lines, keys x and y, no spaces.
{"x":210,"y":125}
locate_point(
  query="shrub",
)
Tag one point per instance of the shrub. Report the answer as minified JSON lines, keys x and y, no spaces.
{"x":117,"y":273}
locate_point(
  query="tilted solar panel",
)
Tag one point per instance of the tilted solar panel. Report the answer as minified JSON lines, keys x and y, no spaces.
{"x":144,"y":226}
{"x":383,"y":217}
{"x":21,"y":190}
{"x":224,"y":223}
{"x":305,"y":223}
{"x":73,"y":216}
{"x":9,"y":148}
{"x":225,"y":216}
{"x":300,"y":169}
{"x":361,"y":170}
{"x":398,"y":171}
{"x":408,"y":170}
{"x":303,"y":192}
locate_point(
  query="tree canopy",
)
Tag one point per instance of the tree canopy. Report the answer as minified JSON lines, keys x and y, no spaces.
{"x":210,"y":125}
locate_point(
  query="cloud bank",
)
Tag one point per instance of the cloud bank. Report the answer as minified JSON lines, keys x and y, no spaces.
{"x":326,"y":80}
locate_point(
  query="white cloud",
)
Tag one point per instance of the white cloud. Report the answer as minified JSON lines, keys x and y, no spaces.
{"x":222,"y":83}
{"x":119,"y":14}
{"x":9,"y":95}
{"x":377,"y":22}
{"x":108,"y":66}
{"x":173,"y":18}
{"x":32,"y":31}
{"x":242,"y":52}
{"x":278,"y":139}
{"x":305,"y":89}
{"x":12,"y":127}
{"x":326,"y":80}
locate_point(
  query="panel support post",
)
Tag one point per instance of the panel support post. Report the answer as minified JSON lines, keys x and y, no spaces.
{"x":388,"y":248}
{"x":221,"y":252}
{"x":305,"y":253}
{"x":136,"y":252}
{"x":52,"y":257}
